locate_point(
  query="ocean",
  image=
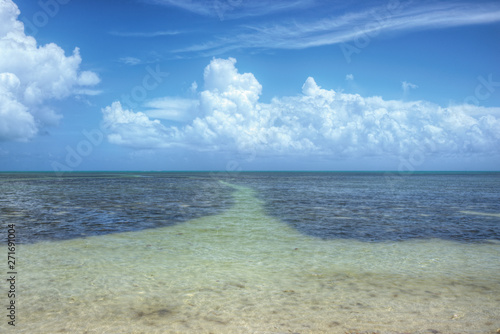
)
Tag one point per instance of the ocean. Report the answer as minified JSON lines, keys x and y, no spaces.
{"x":261,"y":252}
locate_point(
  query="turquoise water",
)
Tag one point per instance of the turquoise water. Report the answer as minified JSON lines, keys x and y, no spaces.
{"x":239,"y":269}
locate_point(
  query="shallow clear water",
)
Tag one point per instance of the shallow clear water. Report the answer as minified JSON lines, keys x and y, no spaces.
{"x":240,"y":268}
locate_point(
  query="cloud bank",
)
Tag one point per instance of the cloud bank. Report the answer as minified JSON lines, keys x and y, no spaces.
{"x":227,"y":116}
{"x":31,"y":75}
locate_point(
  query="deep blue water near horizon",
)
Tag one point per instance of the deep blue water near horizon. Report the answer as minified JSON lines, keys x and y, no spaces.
{"x":366,"y":206}
{"x":266,"y":252}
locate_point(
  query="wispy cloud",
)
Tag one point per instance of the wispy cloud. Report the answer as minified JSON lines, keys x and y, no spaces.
{"x":144,"y":34}
{"x":90,"y":92}
{"x":407,"y":86}
{"x":130,"y":61}
{"x":172,"y":108}
{"x":198,"y":7}
{"x":410,"y":16}
{"x":234,"y":9}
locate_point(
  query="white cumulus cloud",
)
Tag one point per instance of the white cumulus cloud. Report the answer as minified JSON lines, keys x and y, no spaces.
{"x":227,"y":115}
{"x":135,"y":128}
{"x":30,"y":75}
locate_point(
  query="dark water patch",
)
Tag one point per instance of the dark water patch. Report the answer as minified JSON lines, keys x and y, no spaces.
{"x":85,"y":204}
{"x":377,"y":207}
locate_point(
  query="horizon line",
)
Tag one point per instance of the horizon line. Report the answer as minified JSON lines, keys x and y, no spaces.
{"x":253,"y":171}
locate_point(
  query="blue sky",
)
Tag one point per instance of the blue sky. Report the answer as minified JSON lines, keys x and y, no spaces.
{"x":249,"y":85}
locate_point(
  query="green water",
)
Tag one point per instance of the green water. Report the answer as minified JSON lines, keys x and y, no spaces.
{"x":244,"y":272}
